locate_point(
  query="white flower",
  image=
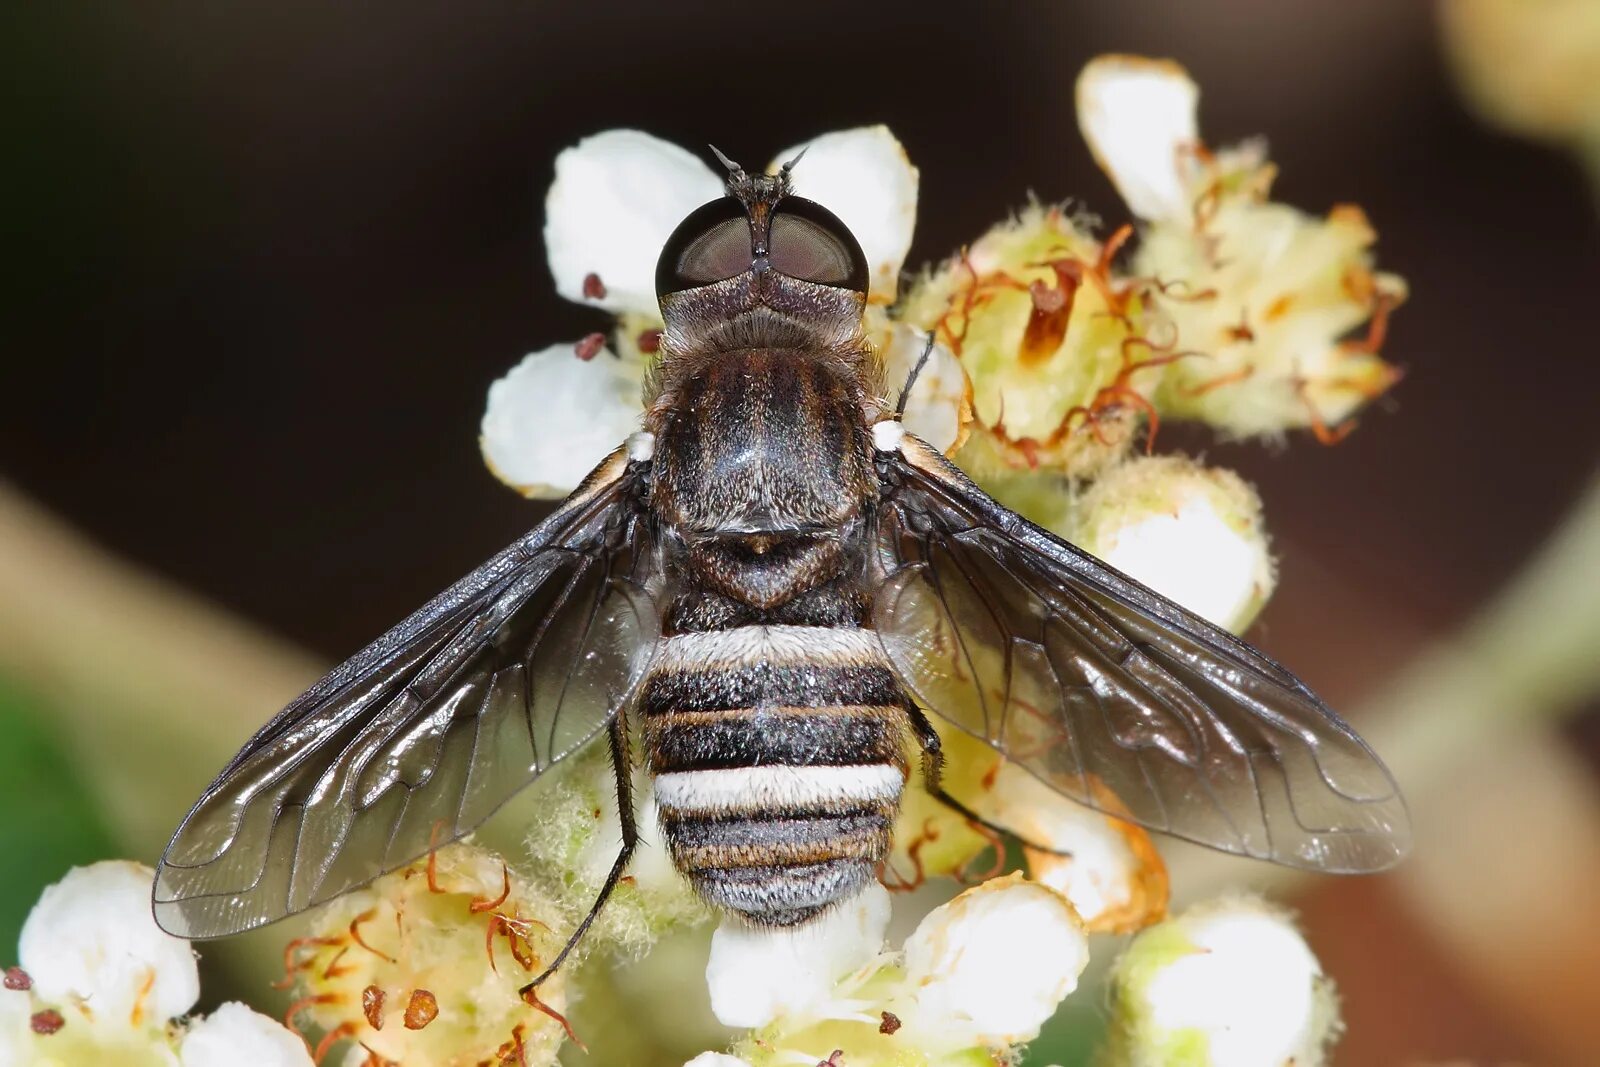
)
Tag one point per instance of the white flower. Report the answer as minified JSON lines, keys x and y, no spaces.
{"x":616,"y":198}
{"x":99,"y":982}
{"x":1191,"y":533}
{"x":757,"y":975}
{"x":1231,"y":983}
{"x":990,"y":967}
{"x":233,"y":1035}
{"x":91,"y":940}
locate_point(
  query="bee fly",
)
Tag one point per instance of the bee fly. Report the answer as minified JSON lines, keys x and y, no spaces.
{"x":779,"y":585}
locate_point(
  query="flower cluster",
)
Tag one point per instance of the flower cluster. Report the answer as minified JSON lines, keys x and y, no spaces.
{"x":1054,"y":350}
{"x":1228,"y":984}
{"x":957,"y":992}
{"x":98,"y":982}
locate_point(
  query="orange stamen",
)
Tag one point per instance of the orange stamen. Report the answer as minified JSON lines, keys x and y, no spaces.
{"x":329,"y":1039}
{"x":290,"y":966}
{"x":478,"y":905}
{"x":530,"y":996}
{"x":355,"y":934}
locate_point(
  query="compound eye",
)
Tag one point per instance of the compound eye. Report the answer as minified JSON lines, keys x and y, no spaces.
{"x":713,"y":243}
{"x":810,"y":242}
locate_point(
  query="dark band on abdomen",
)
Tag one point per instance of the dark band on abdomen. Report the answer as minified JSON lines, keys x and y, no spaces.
{"x":709,"y":740}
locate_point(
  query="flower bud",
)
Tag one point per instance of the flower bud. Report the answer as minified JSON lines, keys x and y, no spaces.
{"x":1191,"y":533}
{"x":90,"y":941}
{"x":990,"y":967}
{"x":1107,"y":867}
{"x":1227,"y":984}
{"x":758,"y":974}
{"x":233,"y":1035}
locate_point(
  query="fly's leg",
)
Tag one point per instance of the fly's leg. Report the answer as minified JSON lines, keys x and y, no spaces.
{"x":630,"y":838}
{"x":933,"y":780}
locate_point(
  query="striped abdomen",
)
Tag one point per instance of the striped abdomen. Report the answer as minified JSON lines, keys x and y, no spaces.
{"x":778,"y":759}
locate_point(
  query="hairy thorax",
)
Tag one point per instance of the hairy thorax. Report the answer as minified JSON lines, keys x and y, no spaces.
{"x":762,"y":472}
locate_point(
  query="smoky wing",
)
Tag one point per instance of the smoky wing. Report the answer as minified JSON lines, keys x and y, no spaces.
{"x":1111,"y":694}
{"x":420,"y":736}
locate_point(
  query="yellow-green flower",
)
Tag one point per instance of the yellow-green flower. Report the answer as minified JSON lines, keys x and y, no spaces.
{"x":424,"y":966}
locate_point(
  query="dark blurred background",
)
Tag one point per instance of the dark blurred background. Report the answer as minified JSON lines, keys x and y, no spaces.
{"x":262,"y":262}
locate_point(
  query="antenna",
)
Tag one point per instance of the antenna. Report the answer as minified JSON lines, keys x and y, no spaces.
{"x":911,"y":379}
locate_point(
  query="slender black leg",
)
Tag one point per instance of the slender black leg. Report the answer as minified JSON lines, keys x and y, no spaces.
{"x":933,"y":781}
{"x":630,"y":838}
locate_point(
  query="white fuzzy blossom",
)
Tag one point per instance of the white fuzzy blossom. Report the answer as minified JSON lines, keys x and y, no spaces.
{"x":98,"y":982}
{"x":234,"y":1034}
{"x":1230,"y":984}
{"x":1106,"y":867}
{"x":1191,"y":533}
{"x":989,"y":968}
{"x":757,"y":974}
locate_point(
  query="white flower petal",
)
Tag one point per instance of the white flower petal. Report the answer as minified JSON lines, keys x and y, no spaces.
{"x":991,"y":966}
{"x":233,"y":1035}
{"x":555,"y":416}
{"x":940,"y":405}
{"x":757,"y":975}
{"x":1138,"y":116}
{"x":1241,"y":975}
{"x":91,"y":936}
{"x":716,"y":1059}
{"x":617,"y":197}
{"x":863,"y":176}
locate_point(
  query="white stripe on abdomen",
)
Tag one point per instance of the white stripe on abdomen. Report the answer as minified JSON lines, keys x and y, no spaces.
{"x":738,"y":645}
{"x":769,"y":788}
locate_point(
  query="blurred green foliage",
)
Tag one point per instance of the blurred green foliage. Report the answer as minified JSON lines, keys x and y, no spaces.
{"x":48,"y":823}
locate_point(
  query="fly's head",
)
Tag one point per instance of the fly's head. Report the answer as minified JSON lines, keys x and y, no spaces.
{"x":761,"y":268}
